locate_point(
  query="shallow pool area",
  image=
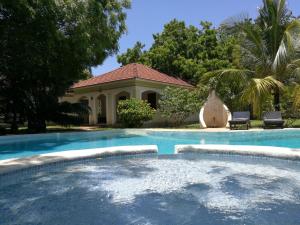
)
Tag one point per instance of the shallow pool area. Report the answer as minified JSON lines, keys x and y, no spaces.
{"x":164,"y":189}
{"x":29,"y":145}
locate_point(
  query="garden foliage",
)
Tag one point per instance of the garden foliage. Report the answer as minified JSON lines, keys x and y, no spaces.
{"x":133,"y":112}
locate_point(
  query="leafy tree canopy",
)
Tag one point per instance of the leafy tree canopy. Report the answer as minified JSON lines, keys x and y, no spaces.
{"x":268,"y":56}
{"x":183,"y":51}
{"x":47,"y":45}
{"x":132,"y":55}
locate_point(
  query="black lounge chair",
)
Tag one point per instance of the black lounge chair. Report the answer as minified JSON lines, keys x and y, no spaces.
{"x":240,"y":118}
{"x":273,"y":119}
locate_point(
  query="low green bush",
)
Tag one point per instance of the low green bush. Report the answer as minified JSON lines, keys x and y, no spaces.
{"x":133,"y":112}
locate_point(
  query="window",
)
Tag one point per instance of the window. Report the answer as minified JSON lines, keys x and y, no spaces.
{"x":151,"y":98}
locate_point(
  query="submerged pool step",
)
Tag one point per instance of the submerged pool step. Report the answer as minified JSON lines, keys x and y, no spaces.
{"x":267,"y":151}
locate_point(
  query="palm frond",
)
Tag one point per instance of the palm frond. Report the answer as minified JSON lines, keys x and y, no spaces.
{"x":296,"y":96}
{"x":288,"y":45}
{"x":253,"y":42}
{"x":293,"y":70}
{"x":294,"y":64}
{"x":257,"y":89}
{"x":233,"y":74}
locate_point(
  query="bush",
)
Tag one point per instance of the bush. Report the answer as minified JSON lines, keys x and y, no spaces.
{"x":68,"y":114}
{"x":178,"y":104}
{"x":133,"y":112}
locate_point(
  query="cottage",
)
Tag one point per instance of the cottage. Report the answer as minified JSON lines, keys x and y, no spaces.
{"x":102,"y":93}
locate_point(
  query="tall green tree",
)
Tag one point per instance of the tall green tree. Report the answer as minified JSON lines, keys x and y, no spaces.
{"x":132,"y":55}
{"x":183,"y":51}
{"x":269,"y":55}
{"x":47,"y":45}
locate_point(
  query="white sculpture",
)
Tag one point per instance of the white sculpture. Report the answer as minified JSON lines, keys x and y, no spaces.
{"x":214,"y":113}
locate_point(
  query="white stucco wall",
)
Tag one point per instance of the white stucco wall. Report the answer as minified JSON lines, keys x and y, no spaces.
{"x":111,"y":101}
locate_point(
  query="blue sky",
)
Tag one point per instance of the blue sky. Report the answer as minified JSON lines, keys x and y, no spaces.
{"x":149,"y":16}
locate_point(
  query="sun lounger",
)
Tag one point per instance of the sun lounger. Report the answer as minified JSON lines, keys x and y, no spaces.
{"x":240,"y":118}
{"x":273,"y":119}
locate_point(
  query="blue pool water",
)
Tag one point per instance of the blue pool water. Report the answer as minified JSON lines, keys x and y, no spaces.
{"x":190,"y":189}
{"x":28,"y":145}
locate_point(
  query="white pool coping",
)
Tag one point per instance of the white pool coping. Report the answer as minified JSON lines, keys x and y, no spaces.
{"x":10,"y":165}
{"x":214,"y":130}
{"x":267,"y":151}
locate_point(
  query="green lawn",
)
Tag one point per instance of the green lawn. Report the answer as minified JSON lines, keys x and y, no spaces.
{"x":254,"y":124}
{"x":58,"y":128}
{"x":75,"y":128}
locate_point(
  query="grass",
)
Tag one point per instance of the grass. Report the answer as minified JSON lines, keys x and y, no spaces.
{"x":58,"y":128}
{"x":254,"y":124}
{"x":289,"y":123}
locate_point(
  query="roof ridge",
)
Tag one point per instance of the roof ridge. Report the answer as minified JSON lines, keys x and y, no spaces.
{"x":100,"y":75}
{"x":171,"y":76}
{"x":132,"y":71}
{"x":135,"y":70}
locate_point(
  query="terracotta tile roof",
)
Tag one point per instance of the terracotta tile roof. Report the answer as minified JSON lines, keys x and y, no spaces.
{"x":132,"y":71}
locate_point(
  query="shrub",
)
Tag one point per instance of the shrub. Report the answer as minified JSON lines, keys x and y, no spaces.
{"x":133,"y":112}
{"x":178,"y":104}
{"x":70,"y":114}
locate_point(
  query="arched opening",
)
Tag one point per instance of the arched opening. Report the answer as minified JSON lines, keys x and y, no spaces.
{"x":151,"y":97}
{"x":84,"y":117}
{"x":101,"y":109}
{"x":122,"y":96}
{"x":119,"y":97}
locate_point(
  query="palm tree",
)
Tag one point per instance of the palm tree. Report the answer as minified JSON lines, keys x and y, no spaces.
{"x":269,"y":55}
{"x":296,"y":96}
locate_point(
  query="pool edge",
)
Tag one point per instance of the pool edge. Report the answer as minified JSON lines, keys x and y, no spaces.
{"x":253,"y":150}
{"x":14,"y":164}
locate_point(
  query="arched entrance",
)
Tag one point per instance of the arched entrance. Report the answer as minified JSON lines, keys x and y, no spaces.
{"x":121,"y":96}
{"x":101,"y":109}
{"x":84,"y":117}
{"x":151,"y":97}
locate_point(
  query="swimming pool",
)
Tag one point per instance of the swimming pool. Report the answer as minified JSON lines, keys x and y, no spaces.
{"x":166,"y":189}
{"x":29,"y":145}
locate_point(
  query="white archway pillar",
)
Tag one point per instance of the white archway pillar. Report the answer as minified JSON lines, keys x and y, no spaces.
{"x":136,"y":93}
{"x":93,"y":107}
{"x":111,"y":109}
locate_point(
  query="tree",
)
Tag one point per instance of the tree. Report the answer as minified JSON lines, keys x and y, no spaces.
{"x":177,"y":104}
{"x":133,"y":112}
{"x":132,"y":55}
{"x":183,"y":51}
{"x":268,"y":55}
{"x":47,"y":45}
{"x":296,"y":98}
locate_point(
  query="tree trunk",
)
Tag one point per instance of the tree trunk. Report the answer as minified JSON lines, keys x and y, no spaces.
{"x":14,"y":123}
{"x":277,"y":99}
{"x":36,"y":124}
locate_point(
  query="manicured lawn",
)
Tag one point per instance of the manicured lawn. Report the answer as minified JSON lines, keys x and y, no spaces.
{"x":58,"y":128}
{"x":254,"y":124}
